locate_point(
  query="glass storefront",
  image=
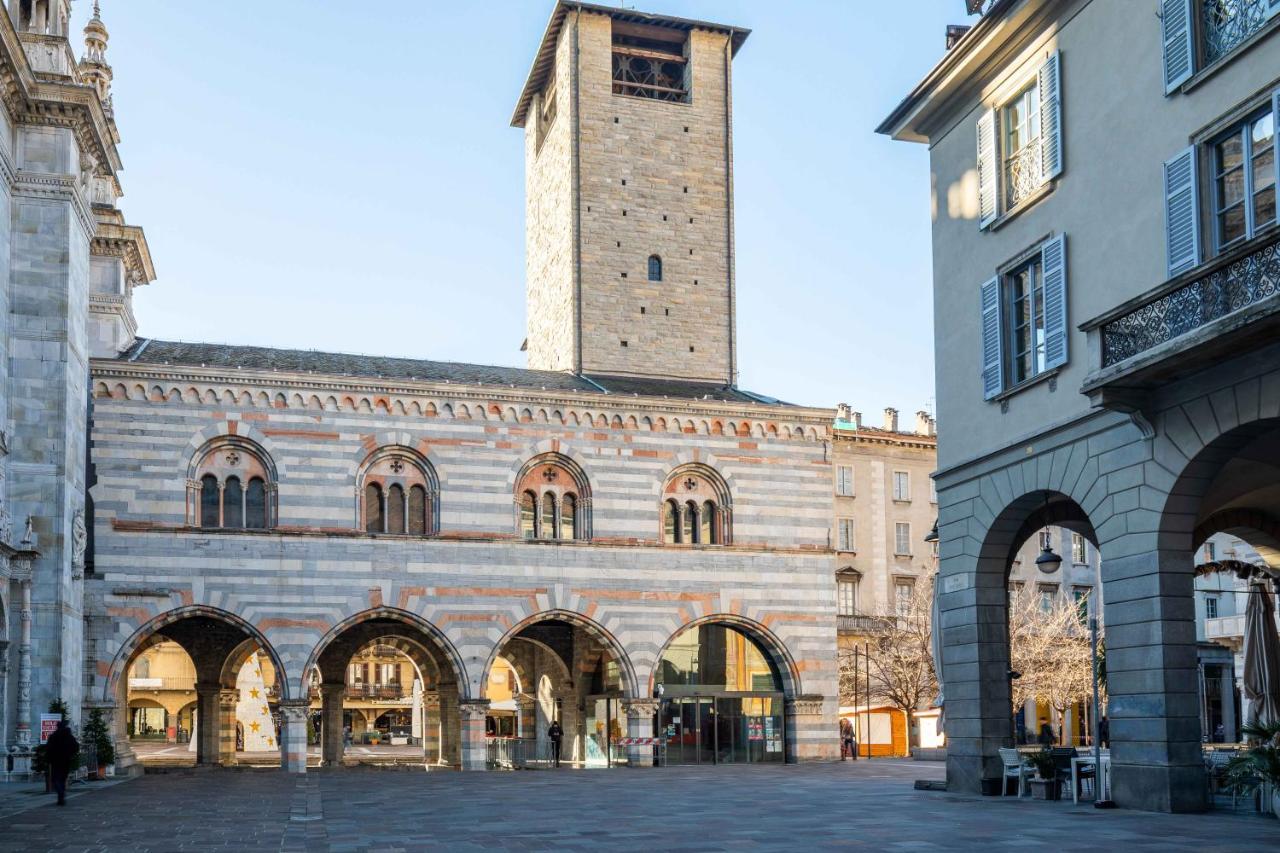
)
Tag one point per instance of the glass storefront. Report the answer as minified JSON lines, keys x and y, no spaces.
{"x":722,"y":699}
{"x":606,"y":724}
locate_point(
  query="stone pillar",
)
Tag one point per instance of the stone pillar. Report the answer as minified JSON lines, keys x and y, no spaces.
{"x":331,"y":734}
{"x":474,"y":749}
{"x":208,"y":737}
{"x":1227,"y":694}
{"x":226,"y":717}
{"x":1153,"y":697}
{"x":450,"y":725}
{"x":640,"y":715}
{"x":293,"y":734}
{"x":812,"y":733}
{"x":431,"y":728}
{"x":526,"y":716}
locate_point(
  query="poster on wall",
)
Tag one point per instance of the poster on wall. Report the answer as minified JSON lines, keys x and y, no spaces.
{"x":755,"y":728}
{"x":48,"y":725}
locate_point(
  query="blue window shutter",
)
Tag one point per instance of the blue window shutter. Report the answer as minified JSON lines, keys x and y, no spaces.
{"x":992,"y":369}
{"x":1049,"y":83}
{"x":1053,"y":261}
{"x":987,"y":169}
{"x":1179,"y":49}
{"x":1181,"y":206}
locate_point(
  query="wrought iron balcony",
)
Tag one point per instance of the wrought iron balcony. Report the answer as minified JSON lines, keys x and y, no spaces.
{"x":1227,"y":23}
{"x":860,"y":624}
{"x":1023,"y":173}
{"x":1217,"y":309}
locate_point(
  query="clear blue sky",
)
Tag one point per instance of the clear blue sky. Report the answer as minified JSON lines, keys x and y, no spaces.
{"x":341,"y":176}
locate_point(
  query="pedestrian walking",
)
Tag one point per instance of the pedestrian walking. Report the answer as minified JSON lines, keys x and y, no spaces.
{"x":556,"y":734}
{"x":846,"y":740}
{"x":1047,"y":737}
{"x":61,"y":750}
{"x":1104,"y":732}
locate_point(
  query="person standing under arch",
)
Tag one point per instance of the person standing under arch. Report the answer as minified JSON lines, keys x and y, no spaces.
{"x":556,"y":734}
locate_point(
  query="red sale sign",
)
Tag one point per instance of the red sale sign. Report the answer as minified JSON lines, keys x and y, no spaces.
{"x":48,"y":725}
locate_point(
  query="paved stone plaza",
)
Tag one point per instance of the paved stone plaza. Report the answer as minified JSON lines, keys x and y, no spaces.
{"x":868,"y":805}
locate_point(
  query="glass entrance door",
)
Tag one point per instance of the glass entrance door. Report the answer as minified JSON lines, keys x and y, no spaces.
{"x":722,"y":729}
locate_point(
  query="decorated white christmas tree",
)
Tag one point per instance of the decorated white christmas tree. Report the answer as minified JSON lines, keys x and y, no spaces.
{"x":252,"y":712}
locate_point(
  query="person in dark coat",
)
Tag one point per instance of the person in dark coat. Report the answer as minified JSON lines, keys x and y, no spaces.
{"x":1104,"y":732}
{"x":556,"y":734}
{"x":1047,"y":737}
{"x":61,"y":750}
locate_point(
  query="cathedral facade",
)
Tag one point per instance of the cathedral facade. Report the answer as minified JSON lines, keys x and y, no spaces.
{"x":644,"y":544}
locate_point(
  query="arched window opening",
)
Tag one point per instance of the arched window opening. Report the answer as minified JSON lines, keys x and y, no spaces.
{"x":232,"y":503}
{"x":210,"y":502}
{"x":231,"y":485}
{"x":395,"y":509}
{"x":527,"y":515}
{"x":695,"y":507}
{"x":552,"y":500}
{"x":569,"y":516}
{"x":550,"y":529}
{"x":398,"y":491}
{"x":417,"y":510}
{"x":255,"y":505}
{"x":655,"y":268}
{"x":373,"y":508}
{"x":671,"y":522}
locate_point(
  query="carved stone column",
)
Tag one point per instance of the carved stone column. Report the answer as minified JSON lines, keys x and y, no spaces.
{"x":812,"y":734}
{"x":331,"y":733}
{"x":208,"y":738}
{"x":640,"y":716}
{"x":22,"y":745}
{"x":293,"y":734}
{"x":474,"y":751}
{"x":526,"y":716}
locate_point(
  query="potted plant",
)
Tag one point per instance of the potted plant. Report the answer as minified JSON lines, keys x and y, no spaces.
{"x":1259,"y":764}
{"x":1046,"y":785}
{"x":96,"y":734}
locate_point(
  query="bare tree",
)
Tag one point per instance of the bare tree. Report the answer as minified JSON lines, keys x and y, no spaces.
{"x":900,"y":663}
{"x":1049,"y":648}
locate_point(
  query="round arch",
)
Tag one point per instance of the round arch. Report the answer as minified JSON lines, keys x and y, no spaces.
{"x":440,"y":642}
{"x":778,"y":652}
{"x":590,"y":626}
{"x":152,"y":632}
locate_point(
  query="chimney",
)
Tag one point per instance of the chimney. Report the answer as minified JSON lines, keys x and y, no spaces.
{"x":922,"y":423}
{"x":891,"y":420}
{"x":843,"y":412}
{"x":933,"y":426}
{"x":955,"y":32}
{"x":856,"y":419}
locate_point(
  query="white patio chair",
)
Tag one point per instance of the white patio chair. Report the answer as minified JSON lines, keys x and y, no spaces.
{"x":1015,"y":767}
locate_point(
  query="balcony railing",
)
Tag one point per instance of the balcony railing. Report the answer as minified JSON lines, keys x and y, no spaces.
{"x":1236,"y":283}
{"x":1224,"y":628}
{"x":165,"y":683}
{"x":1023,"y":173}
{"x":375,"y":691}
{"x":860,"y":624}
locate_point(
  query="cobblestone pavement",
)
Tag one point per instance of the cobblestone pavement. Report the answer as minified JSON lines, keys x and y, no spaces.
{"x":867,"y":805}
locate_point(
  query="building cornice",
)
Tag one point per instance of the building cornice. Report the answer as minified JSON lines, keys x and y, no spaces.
{"x":128,"y":242}
{"x":107,"y":370}
{"x":912,"y":440}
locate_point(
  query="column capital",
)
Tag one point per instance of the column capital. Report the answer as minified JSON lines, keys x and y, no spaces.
{"x":228,"y":696}
{"x":807,"y":705}
{"x":431,"y":700}
{"x":474,"y":707}
{"x":641,"y":707}
{"x":295,"y":709}
{"x":329,"y":689}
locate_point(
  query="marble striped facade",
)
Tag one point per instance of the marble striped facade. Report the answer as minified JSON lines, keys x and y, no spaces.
{"x":476,"y":582}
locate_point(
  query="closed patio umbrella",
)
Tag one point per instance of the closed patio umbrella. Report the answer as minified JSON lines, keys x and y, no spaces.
{"x":1261,"y":657}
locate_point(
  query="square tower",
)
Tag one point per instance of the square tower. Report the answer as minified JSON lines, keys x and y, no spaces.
{"x":629,"y":195}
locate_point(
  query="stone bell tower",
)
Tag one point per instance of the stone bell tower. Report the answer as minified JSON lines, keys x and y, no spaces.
{"x":629,"y":195}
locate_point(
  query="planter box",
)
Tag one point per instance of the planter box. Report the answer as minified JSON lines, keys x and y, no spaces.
{"x":1045,"y":789}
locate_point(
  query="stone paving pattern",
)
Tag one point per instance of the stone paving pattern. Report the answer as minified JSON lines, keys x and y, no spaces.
{"x":867,"y":805}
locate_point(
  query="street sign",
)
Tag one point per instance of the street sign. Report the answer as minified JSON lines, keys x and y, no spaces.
{"x":48,"y":725}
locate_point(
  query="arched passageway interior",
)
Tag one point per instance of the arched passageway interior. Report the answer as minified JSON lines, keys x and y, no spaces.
{"x":200,"y":689}
{"x":383,"y":681}
{"x":562,"y":672}
{"x":722,"y":698}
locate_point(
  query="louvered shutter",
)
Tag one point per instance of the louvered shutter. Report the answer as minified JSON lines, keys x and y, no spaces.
{"x":987,"y":169}
{"x":1179,"y":49}
{"x":1053,"y":262}
{"x":992,"y":372}
{"x":1181,"y":203}
{"x":1049,"y":83}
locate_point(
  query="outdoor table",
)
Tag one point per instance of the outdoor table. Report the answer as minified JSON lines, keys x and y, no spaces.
{"x":1099,"y":778}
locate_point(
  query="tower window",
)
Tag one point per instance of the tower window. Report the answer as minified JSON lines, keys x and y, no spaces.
{"x":655,"y":268}
{"x":650,"y":62}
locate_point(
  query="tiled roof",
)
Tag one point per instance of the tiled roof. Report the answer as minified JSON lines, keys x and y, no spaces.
{"x":151,"y":351}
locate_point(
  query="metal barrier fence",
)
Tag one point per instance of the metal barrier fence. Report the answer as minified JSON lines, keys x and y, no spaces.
{"x":515,"y":753}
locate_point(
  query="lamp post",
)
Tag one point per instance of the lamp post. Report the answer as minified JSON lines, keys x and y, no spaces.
{"x":1048,"y":561}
